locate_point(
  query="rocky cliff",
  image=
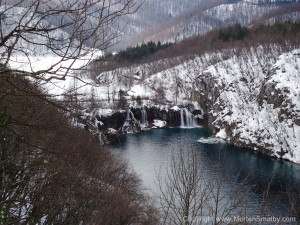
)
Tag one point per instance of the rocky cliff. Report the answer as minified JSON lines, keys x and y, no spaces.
{"x":253,"y":101}
{"x":111,"y":125}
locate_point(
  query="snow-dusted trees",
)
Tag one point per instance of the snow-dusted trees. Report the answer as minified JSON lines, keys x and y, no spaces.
{"x":48,"y":38}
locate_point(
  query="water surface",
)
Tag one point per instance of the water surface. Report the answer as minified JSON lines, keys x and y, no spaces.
{"x":150,"y":150}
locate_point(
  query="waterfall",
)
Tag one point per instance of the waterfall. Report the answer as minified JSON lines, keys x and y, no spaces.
{"x":130,"y":125}
{"x":144,"y":120}
{"x":187,"y":119}
{"x":181,"y":118}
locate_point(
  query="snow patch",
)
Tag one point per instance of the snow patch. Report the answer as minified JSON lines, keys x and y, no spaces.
{"x":175,"y":108}
{"x":222,"y":134}
{"x":111,"y":131}
{"x":159,"y":123}
{"x":211,"y":140}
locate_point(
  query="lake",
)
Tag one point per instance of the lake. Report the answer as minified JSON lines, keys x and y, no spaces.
{"x":149,"y":152}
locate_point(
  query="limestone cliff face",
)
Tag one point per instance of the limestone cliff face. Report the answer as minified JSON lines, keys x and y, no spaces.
{"x":253,"y":100}
{"x":173,"y":116}
{"x":113,"y":125}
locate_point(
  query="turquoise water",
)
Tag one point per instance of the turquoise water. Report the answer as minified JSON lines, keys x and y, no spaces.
{"x":149,"y":152}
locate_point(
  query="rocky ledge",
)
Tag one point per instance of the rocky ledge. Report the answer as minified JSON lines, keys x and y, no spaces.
{"x":111,"y":125}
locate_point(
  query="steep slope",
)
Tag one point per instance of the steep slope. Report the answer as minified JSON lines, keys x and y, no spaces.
{"x":55,"y":173}
{"x":255,"y":101}
{"x":215,"y":14}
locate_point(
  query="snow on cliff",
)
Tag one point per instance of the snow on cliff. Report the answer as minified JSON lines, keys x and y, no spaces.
{"x":251,"y":96}
{"x":257,"y":101}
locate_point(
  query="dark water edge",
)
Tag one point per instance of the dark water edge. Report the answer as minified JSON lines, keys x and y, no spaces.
{"x":150,"y":150}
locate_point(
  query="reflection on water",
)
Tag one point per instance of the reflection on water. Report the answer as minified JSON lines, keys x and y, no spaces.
{"x":150,"y":150}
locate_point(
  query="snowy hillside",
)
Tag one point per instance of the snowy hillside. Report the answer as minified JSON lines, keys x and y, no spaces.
{"x":203,"y":18}
{"x":251,"y":97}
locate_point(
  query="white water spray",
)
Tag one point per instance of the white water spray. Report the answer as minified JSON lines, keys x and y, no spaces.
{"x":187,"y":119}
{"x":144,"y":119}
{"x":129,"y":125}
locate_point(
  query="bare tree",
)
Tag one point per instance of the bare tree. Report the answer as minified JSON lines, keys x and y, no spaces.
{"x":54,"y":173}
{"x":160,"y":94}
{"x":56,"y":33}
{"x":183,"y":191}
{"x":186,"y":196}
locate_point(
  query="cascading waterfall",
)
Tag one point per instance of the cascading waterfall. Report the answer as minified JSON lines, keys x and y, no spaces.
{"x":187,"y":119}
{"x":130,"y":124}
{"x":181,"y":118}
{"x":144,"y":120}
